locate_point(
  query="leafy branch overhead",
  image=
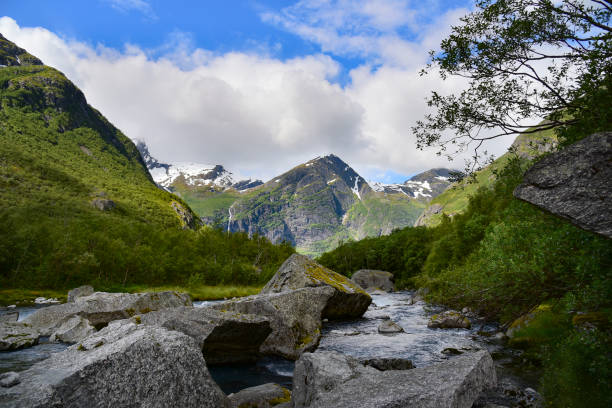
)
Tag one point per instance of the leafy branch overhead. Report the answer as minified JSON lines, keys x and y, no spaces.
{"x":524,"y":61}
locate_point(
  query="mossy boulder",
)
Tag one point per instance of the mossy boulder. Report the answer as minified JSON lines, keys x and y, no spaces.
{"x":372,"y":280}
{"x":450,"y":319}
{"x":261,"y":396}
{"x":298,"y":271}
{"x":523,"y":321}
{"x":17,"y":335}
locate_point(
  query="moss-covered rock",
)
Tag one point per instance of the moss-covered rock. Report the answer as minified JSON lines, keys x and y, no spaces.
{"x":298,"y":271}
{"x":17,"y":335}
{"x":449,"y":319}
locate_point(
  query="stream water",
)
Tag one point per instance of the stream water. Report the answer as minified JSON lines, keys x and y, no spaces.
{"x":359,"y":338}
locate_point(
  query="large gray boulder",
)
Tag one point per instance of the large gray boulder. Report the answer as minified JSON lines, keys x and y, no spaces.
{"x":261,"y":396}
{"x":329,"y":379}
{"x":123,"y":365}
{"x":575,"y":183}
{"x":101,"y":308}
{"x":223,"y":336}
{"x":9,"y":317}
{"x":371,"y":280}
{"x":298,"y":271}
{"x":72,"y":329}
{"x":17,"y":335}
{"x":85,"y":290}
{"x":295,"y":318}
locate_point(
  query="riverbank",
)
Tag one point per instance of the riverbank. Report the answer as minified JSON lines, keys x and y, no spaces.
{"x":26,"y":297}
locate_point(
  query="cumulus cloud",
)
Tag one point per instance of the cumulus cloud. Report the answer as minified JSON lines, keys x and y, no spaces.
{"x":253,"y":113}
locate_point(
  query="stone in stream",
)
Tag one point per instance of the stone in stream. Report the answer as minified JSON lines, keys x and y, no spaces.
{"x":124,"y":364}
{"x":9,"y":317}
{"x":72,"y":329}
{"x":10,"y":379}
{"x":101,"y":308}
{"x":372,"y":280}
{"x":17,"y":335}
{"x":574,"y":183}
{"x":298,"y":271}
{"x":389,"y":327}
{"x":85,"y":290}
{"x":295,"y":318}
{"x":329,"y":379}
{"x":449,"y":319}
{"x":384,"y":364}
{"x":223,"y":336}
{"x":261,"y":396}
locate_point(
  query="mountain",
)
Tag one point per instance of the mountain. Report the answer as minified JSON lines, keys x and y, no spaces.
{"x":425,"y":186}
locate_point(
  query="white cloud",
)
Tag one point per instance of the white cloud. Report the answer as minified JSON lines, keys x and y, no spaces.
{"x":125,"y":6}
{"x":253,"y":113}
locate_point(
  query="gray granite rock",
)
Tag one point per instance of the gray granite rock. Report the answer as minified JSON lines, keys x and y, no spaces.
{"x":372,"y":280}
{"x":100,"y":308}
{"x":449,"y":319}
{"x":261,"y":396}
{"x":9,"y":317}
{"x":223,"y":336}
{"x":17,"y":335}
{"x":85,"y":290}
{"x":389,"y":327}
{"x":328,"y":379}
{"x":298,"y":271}
{"x":575,"y":183}
{"x":10,"y":379}
{"x":72,"y":329}
{"x":295,"y":318}
{"x":384,"y":364}
{"x":123,"y":365}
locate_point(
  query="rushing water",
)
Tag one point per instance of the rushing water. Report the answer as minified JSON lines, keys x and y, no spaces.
{"x":359,"y":338}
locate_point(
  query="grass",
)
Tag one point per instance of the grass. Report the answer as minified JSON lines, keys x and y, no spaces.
{"x":25,"y":297}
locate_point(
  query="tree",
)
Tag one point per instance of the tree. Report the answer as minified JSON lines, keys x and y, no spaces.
{"x":524,"y":60}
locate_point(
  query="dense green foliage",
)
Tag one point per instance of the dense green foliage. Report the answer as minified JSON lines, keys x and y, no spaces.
{"x":58,"y":155}
{"x":504,"y":257}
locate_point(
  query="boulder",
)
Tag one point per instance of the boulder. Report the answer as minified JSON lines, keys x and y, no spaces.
{"x":574,"y":183}
{"x":17,"y":335}
{"x":103,"y":204}
{"x":123,"y":365}
{"x":295,"y":318}
{"x":9,"y":317}
{"x":449,"y":319}
{"x":80,"y":291}
{"x":389,"y":326}
{"x":9,"y":379}
{"x":373,"y":281}
{"x":261,"y":396}
{"x":72,"y":329}
{"x":298,"y":271}
{"x":100,"y":308}
{"x":329,"y":379}
{"x":384,"y":364}
{"x":223,"y":336}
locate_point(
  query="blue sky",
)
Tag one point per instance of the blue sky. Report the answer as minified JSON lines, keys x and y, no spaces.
{"x":293,"y":79}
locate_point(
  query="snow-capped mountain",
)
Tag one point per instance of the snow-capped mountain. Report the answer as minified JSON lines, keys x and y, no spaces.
{"x":426,"y":185}
{"x":193,"y":174}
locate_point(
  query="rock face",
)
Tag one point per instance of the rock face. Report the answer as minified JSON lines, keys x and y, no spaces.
{"x":101,"y":308}
{"x":262,"y":396}
{"x":449,"y":319}
{"x":389,"y":327}
{"x":328,"y":379}
{"x":429,"y":211}
{"x":575,"y":183}
{"x":80,"y":291}
{"x":371,"y":280}
{"x":384,"y":364}
{"x":299,"y":271}
{"x":295,"y":318}
{"x":223,"y":336}
{"x":72,"y":329}
{"x":123,"y":365}
{"x":16,"y":335}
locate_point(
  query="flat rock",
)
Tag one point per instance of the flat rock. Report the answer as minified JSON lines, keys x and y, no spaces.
{"x":389,"y":327}
{"x":449,"y":319}
{"x":100,"y":308}
{"x":123,"y":365}
{"x":85,"y":290}
{"x":17,"y":335}
{"x":223,"y":336}
{"x":72,"y":329}
{"x":575,"y":183}
{"x":295,"y":318}
{"x":261,"y":396}
{"x":373,"y":281}
{"x":329,"y":379}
